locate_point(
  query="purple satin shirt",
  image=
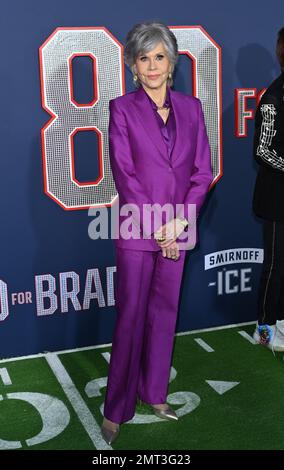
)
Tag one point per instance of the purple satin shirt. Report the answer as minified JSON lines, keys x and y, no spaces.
{"x":168,"y":130}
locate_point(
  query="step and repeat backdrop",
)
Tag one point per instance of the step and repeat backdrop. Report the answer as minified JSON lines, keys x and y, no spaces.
{"x":61,"y":63}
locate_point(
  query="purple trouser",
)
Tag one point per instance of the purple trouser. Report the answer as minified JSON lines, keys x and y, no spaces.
{"x":147,"y":296}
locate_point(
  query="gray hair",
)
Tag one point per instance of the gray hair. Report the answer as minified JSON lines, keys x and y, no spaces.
{"x":143,"y":37}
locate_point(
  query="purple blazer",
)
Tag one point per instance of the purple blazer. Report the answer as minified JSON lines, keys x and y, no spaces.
{"x":142,"y":170}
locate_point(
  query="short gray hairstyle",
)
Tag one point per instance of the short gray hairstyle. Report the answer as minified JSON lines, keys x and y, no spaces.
{"x":143,"y":37}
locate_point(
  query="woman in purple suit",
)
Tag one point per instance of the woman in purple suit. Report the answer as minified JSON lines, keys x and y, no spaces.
{"x":160,"y":158}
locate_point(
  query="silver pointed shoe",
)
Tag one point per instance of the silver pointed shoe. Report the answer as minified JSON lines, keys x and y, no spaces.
{"x":168,"y":413}
{"x":109,"y":435}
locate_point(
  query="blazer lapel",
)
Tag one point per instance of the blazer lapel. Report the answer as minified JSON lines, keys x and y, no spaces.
{"x":180,"y":122}
{"x":149,"y":122}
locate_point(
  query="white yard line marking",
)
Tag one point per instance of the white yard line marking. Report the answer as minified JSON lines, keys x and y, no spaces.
{"x":203,"y":345}
{"x":106,"y":356}
{"x":215,"y":328}
{"x":84,"y":414}
{"x":220,"y":386}
{"x":249,"y":338}
{"x":4,"y":374}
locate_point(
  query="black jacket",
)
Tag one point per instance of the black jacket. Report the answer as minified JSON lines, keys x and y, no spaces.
{"x":268,"y":201}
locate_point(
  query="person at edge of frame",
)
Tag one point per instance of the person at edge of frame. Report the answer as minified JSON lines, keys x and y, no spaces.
{"x":267,"y":204}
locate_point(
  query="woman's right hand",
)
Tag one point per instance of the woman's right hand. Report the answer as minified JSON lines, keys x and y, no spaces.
{"x":172,"y":251}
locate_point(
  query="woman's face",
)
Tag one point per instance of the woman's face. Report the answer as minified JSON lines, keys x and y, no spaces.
{"x":153,"y":67}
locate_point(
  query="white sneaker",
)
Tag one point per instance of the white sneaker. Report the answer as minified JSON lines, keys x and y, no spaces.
{"x":271,"y":336}
{"x":264,"y":334}
{"x":280,"y":325}
{"x":278,"y":341}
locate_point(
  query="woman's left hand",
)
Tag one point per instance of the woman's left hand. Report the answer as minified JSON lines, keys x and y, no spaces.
{"x":169,"y":232}
{"x":172,"y":252}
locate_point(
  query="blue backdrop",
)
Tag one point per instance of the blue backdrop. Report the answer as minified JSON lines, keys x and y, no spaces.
{"x":39,"y":237}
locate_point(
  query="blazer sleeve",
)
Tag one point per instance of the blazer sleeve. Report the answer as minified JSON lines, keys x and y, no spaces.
{"x":201,"y":176}
{"x":123,"y":169}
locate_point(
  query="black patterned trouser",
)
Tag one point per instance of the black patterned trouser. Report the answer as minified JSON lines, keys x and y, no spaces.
{"x":271,"y":288}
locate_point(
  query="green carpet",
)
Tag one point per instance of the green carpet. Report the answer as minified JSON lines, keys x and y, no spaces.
{"x":227,"y":392}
